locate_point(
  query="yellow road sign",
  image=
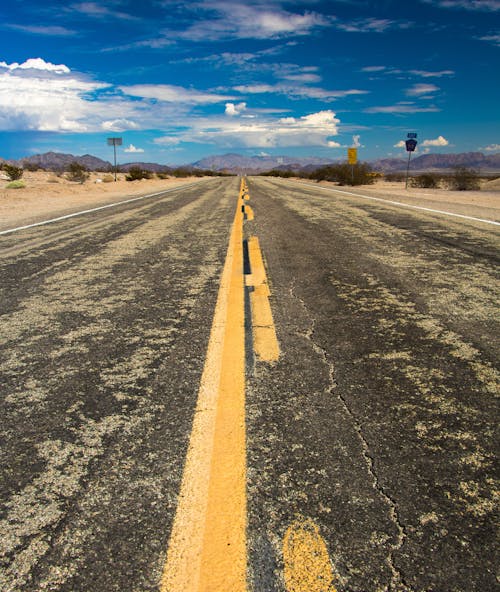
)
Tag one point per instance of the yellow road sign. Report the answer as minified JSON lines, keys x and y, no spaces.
{"x":352,"y":155}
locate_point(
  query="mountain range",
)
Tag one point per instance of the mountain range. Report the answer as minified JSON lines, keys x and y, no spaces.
{"x":237,"y":163}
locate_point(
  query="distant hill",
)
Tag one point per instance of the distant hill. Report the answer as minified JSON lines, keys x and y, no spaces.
{"x":440,"y":162}
{"x":60,"y":161}
{"x":238,"y":163}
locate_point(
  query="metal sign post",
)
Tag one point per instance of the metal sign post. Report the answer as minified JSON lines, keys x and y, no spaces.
{"x":411,"y":144}
{"x":114,"y":142}
{"x":352,"y":159}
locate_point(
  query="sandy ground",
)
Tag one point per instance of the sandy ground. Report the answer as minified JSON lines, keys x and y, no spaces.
{"x":483,"y":204}
{"x":47,"y":195}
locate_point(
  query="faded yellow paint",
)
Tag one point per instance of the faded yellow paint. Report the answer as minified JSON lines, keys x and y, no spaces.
{"x":207,"y":548}
{"x":256,"y":262}
{"x":265,"y":342}
{"x":249,"y":212}
{"x":307,"y":566}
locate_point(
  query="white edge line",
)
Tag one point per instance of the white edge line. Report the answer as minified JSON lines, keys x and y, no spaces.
{"x":398,"y":203}
{"x":117,"y":203}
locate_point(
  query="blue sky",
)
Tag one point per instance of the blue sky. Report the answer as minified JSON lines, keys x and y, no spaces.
{"x":182,"y":80}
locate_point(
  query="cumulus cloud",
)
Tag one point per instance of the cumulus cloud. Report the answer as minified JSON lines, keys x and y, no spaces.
{"x":232,"y":109}
{"x":400,"y":144}
{"x":36,"y":64}
{"x":439,"y":141}
{"x":355,"y":141}
{"x":332,"y":144}
{"x":43,"y":96}
{"x":492,"y":148}
{"x":308,"y":130}
{"x":119,"y":125}
{"x":132,"y":148}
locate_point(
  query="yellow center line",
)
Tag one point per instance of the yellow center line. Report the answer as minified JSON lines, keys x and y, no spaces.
{"x":207,"y":548}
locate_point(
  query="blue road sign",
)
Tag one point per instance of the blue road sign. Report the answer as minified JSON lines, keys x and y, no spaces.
{"x":412,"y":135}
{"x":411,"y":145}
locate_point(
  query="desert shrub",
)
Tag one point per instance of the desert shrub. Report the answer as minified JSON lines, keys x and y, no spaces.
{"x":161,"y":175}
{"x":30,"y":166}
{"x":425,"y":181}
{"x":464,"y":179}
{"x":13,"y":172}
{"x":136,"y":174}
{"x":394,"y":177}
{"x":15,"y":185}
{"x":77,"y":172}
{"x":108,"y":179}
{"x":345,"y":174}
{"x":182,"y":172}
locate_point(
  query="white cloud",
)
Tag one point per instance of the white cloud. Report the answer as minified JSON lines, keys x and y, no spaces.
{"x":119,"y":125}
{"x":428,"y":74}
{"x":167,"y":141}
{"x":421,"y":89}
{"x":481,"y":5}
{"x":50,"y":30}
{"x":439,"y":141}
{"x":173,"y":94}
{"x":309,"y":130}
{"x":238,"y":20}
{"x":132,"y":148}
{"x":94,"y":10}
{"x":373,"y":68}
{"x":232,"y":109}
{"x":400,"y":144}
{"x":302,"y":77}
{"x":402,"y":107}
{"x":38,"y":95}
{"x":492,"y":148}
{"x":495,"y":39}
{"x":37,"y":64}
{"x":298,"y":91}
{"x":371,"y":25}
{"x":355,"y":141}
{"x":332,"y":144}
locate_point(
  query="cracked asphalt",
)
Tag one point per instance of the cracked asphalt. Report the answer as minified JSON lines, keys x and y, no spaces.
{"x":379,"y":422}
{"x":377,"y":426}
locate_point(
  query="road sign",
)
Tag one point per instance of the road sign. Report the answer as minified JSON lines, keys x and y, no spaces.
{"x":411,"y":145}
{"x":352,"y":155}
{"x":114,"y":142}
{"x":412,"y":135}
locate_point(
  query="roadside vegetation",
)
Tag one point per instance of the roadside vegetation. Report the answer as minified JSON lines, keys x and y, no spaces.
{"x":77,"y":172}
{"x":13,"y":172}
{"x":460,"y":179}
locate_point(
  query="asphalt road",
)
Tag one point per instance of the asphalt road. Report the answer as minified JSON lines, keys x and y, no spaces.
{"x":376,"y":429}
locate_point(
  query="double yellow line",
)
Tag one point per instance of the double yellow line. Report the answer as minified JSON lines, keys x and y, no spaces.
{"x":207,"y":548}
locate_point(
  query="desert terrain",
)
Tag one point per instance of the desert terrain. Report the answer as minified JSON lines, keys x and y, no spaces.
{"x":47,"y":195}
